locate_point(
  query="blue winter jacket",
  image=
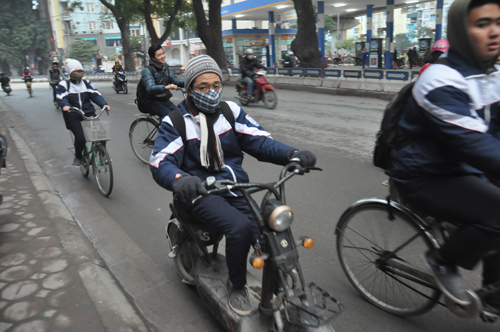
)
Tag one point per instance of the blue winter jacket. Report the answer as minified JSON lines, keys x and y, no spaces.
{"x":451,"y":123}
{"x":170,"y":156}
{"x":155,"y":85}
{"x":79,"y":95}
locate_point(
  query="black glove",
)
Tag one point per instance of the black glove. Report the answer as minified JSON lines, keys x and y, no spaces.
{"x":188,"y":188}
{"x":307,"y":158}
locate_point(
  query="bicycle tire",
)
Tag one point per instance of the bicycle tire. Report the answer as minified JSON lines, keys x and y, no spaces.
{"x":366,"y":238}
{"x":270,"y":99}
{"x":103,"y":170}
{"x":85,"y":163}
{"x":142,"y":136}
{"x":185,"y":261}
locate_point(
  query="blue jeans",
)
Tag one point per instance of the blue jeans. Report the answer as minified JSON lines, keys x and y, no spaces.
{"x":249,"y":82}
{"x":232,"y":217}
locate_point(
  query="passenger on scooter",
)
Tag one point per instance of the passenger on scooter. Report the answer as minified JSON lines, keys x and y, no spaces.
{"x":213,"y":148}
{"x":448,"y":165}
{"x":248,"y":65}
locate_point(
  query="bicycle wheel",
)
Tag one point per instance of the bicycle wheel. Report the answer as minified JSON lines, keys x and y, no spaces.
{"x":142,"y":135}
{"x":370,"y":245}
{"x":270,"y":99}
{"x":85,"y":163}
{"x":103,"y":171}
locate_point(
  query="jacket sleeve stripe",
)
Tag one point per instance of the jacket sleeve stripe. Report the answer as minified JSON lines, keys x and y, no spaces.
{"x":171,"y":148}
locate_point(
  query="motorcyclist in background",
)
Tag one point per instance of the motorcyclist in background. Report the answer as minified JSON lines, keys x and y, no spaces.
{"x":248,"y":65}
{"x":117,"y":68}
{"x":4,"y":80}
{"x":55,"y":76}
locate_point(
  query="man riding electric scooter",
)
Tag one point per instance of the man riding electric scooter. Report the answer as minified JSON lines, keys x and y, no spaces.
{"x":248,"y":65}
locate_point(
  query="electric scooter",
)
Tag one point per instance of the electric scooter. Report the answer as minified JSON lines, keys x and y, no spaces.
{"x":262,"y":91}
{"x":281,"y":300}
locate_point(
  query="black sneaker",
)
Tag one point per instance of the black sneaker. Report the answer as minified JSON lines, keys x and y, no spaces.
{"x":490,"y":313}
{"x":239,"y":300}
{"x":77,"y":163}
{"x":447,"y":279}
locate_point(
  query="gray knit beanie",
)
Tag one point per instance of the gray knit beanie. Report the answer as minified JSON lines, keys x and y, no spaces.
{"x":198,"y":65}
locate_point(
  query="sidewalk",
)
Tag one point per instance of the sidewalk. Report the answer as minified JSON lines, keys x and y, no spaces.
{"x":51,"y":277}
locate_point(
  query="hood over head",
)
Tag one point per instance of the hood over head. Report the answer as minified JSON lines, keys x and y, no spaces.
{"x":458,"y":33}
{"x":73,"y":65}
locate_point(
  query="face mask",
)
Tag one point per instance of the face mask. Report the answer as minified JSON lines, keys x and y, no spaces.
{"x":76,"y":76}
{"x":249,"y":57}
{"x":206,"y":102}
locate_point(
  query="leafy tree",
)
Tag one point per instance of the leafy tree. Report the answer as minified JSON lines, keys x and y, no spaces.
{"x":210,"y":30}
{"x":165,"y":8}
{"x":21,"y":35}
{"x":401,"y":42}
{"x":330,"y":25}
{"x":305,"y":45}
{"x":124,"y":12}
{"x":82,"y":50}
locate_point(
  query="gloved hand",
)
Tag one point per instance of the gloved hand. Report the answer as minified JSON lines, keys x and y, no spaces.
{"x":188,"y":188}
{"x":307,"y":158}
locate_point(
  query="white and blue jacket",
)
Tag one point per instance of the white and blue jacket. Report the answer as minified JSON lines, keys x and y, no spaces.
{"x":451,"y":123}
{"x":79,"y":95}
{"x":170,"y":156}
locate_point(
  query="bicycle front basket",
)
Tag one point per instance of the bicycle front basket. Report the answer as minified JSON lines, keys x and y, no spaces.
{"x":97,"y":129}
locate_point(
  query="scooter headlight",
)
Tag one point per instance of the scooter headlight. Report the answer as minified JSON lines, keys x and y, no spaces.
{"x":279,"y":217}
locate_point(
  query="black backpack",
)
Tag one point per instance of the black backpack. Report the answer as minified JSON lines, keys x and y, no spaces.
{"x":179,"y":124}
{"x":385,"y":143}
{"x":143,"y":99}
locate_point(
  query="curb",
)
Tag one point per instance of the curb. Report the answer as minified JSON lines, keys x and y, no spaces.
{"x":114,"y":308}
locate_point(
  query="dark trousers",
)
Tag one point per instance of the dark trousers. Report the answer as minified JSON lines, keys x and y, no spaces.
{"x":232,"y":217}
{"x":54,"y":91}
{"x":161,"y":108}
{"x":470,"y":201}
{"x":73,"y":123}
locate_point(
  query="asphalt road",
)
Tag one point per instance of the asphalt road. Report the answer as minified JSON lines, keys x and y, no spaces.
{"x":340,"y":130}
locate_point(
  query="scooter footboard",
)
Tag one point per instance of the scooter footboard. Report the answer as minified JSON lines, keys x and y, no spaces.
{"x":321,"y":307}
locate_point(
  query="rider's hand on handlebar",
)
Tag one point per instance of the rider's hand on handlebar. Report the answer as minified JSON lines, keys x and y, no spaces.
{"x":66,"y":109}
{"x":171,"y":86}
{"x":107,"y":108}
{"x":188,"y":188}
{"x":307,"y":158}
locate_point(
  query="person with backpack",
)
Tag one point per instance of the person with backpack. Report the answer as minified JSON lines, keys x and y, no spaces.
{"x":55,"y":76}
{"x":448,"y":162}
{"x":215,"y":136}
{"x":80,"y":93}
{"x":157,"y":80}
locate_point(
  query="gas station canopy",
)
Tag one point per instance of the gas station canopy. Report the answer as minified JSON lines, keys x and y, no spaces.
{"x":257,"y":10}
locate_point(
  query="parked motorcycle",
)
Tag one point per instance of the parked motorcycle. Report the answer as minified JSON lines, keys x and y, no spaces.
{"x":262,"y":91}
{"x":282,"y":300}
{"x":120,"y":82}
{"x":7,"y":89}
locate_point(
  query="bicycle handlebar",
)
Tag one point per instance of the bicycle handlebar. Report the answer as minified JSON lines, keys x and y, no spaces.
{"x":76,"y":109}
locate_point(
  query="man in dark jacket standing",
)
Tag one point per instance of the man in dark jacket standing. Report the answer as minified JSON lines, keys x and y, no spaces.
{"x":159,"y":80}
{"x":449,"y":163}
{"x":248,"y":66}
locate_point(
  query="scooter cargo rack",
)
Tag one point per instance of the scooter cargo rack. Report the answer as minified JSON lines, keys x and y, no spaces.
{"x":322,"y":307}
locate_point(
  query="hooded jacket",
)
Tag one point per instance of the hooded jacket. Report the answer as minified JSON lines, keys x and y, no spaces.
{"x":155,"y":84}
{"x":170,"y":156}
{"x":452,"y":120}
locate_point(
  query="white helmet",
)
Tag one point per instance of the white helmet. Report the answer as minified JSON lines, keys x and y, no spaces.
{"x":248,"y":51}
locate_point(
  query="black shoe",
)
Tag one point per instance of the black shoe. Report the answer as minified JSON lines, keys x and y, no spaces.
{"x":447,"y":278}
{"x":239,"y":300}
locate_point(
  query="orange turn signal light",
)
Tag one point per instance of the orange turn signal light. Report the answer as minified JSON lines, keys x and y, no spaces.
{"x":257,"y":262}
{"x":308,"y":243}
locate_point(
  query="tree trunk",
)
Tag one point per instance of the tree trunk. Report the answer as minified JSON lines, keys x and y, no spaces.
{"x":124,"y":26}
{"x":211,"y":32}
{"x":305,"y":46}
